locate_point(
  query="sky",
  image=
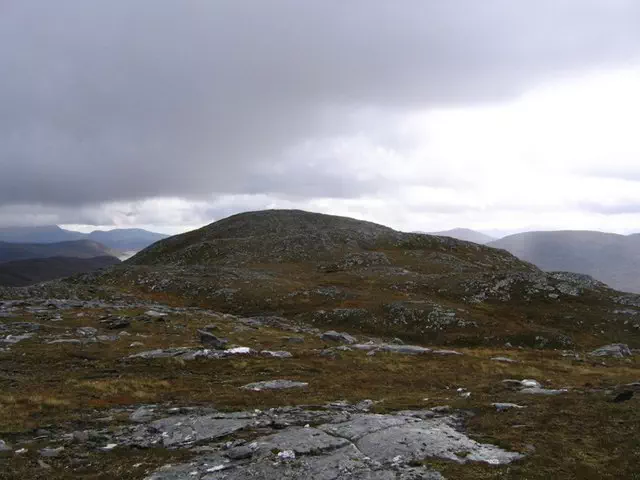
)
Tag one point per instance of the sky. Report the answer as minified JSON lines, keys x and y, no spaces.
{"x":500,"y":116}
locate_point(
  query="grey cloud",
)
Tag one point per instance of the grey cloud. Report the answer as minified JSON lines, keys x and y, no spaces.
{"x":611,"y":209}
{"x":123,"y":100}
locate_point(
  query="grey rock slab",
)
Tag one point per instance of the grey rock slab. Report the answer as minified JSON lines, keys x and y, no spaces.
{"x":616,"y":350}
{"x":303,"y":441}
{"x":430,"y":439}
{"x":361,"y":425}
{"x":183,"y":430}
{"x":334,"y":336}
{"x":345,"y":463}
{"x":274,"y":385}
{"x":4,"y":446}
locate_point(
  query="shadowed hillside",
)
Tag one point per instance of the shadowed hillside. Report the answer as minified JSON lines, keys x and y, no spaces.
{"x":77,"y":248}
{"x":20,"y":273}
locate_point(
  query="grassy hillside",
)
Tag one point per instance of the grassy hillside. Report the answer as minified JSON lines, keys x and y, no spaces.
{"x":340,"y":272}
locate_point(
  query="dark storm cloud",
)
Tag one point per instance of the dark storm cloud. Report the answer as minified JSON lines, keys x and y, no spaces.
{"x":118,"y":100}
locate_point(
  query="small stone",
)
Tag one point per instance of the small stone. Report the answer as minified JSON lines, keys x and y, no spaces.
{"x":155,"y":314}
{"x":441,"y":409}
{"x":44,"y":465}
{"x":446,"y":352}
{"x":274,"y":385}
{"x":71,"y":341}
{"x":141,"y":415}
{"x":504,"y":360}
{"x":528,"y":383}
{"x":80,"y":436}
{"x":136,"y":344}
{"x":276,"y":354}
{"x":4,"y":446}
{"x":365,"y":405}
{"x":501,"y":407}
{"x":293,"y":339}
{"x":51,"y":452}
{"x":542,"y":391}
{"x":287,"y":456}
{"x":87,"y":331}
{"x":115,"y":323}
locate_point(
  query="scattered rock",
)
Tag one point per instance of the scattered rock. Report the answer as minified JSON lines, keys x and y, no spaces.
{"x":80,"y":436}
{"x":210,"y":340}
{"x":287,"y":456}
{"x":446,"y":352}
{"x":504,"y":360}
{"x":115,"y":323}
{"x":542,"y":391}
{"x":87,"y":331}
{"x":274,"y":385}
{"x":501,"y":407}
{"x":141,"y":415}
{"x":72,"y":341}
{"x":623,"y":396}
{"x":276,"y":354}
{"x":155,"y":314}
{"x":387,"y":347}
{"x":4,"y":446}
{"x":334,"y":336}
{"x":51,"y":452}
{"x":616,"y":350}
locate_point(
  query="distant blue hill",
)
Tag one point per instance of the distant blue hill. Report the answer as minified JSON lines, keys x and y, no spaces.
{"x":122,"y":239}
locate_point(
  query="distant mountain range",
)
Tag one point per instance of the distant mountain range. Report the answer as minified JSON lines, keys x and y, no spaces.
{"x":21,"y":273}
{"x":465,"y":234}
{"x":123,"y":239}
{"x":611,"y":258}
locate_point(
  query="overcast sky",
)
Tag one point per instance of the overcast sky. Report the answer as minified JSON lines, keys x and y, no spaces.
{"x":422,"y":115}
